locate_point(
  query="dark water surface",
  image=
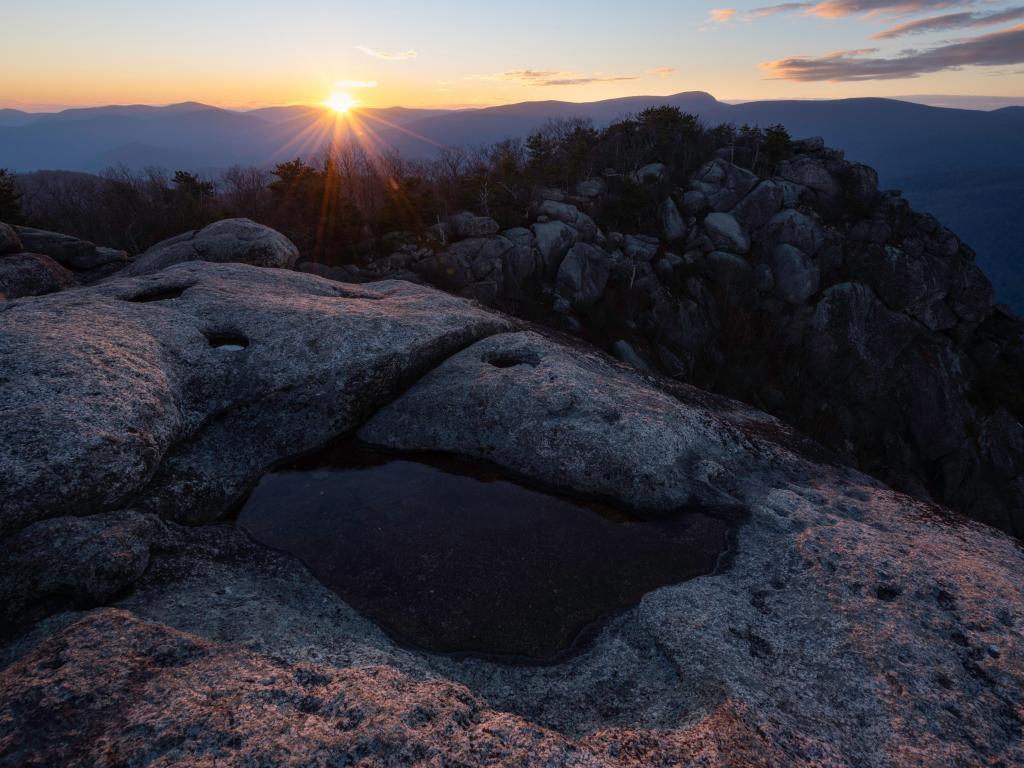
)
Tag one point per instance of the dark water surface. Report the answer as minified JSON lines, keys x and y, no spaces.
{"x":451,"y":555}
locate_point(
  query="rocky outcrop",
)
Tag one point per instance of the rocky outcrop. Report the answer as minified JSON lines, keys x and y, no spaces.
{"x":231,"y":240}
{"x":811,"y":294}
{"x":211,"y":373}
{"x":853,"y":625}
{"x":567,"y":418}
{"x":31,"y":274}
{"x":73,"y":561}
{"x":34,"y":262}
{"x":87,"y":261}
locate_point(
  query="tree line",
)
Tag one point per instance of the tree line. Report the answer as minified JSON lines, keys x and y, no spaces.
{"x":339,"y":205}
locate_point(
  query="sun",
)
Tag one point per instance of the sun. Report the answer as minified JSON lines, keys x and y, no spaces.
{"x":340,"y":102}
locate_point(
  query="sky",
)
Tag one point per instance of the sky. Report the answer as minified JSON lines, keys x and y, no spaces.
{"x":453,"y":53}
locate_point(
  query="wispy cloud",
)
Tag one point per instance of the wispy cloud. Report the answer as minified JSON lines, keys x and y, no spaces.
{"x":950,"y":21}
{"x":662,"y":72}
{"x":356,"y":84}
{"x":774,"y":10}
{"x":721,"y":15}
{"x":534,"y":77}
{"x":1002,"y":48}
{"x":836,"y":9}
{"x":396,"y":56}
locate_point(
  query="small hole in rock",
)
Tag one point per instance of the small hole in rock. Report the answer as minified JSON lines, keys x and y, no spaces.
{"x":509,"y":358}
{"x":159,"y":293}
{"x":887,"y":593}
{"x":229,"y":341}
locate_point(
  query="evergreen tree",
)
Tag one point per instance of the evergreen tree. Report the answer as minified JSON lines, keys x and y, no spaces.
{"x":10,"y":199}
{"x":776,"y":146}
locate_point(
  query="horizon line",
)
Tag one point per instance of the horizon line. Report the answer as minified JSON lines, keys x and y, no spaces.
{"x":44,"y":109}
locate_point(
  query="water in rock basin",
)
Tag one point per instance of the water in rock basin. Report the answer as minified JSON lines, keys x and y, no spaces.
{"x":451,"y":555}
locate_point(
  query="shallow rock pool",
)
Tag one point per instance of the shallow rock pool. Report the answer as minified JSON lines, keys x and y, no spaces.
{"x":455,"y":556}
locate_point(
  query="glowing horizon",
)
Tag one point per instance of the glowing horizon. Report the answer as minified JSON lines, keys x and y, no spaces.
{"x":456,"y":54}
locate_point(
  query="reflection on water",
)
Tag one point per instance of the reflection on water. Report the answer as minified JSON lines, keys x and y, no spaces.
{"x":452,"y":556}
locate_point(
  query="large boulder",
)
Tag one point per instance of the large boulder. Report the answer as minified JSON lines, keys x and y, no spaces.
{"x":861,"y":184}
{"x":792,"y":227}
{"x":230,"y":240}
{"x":732,"y":275}
{"x":903,"y":282}
{"x":754,"y":210}
{"x":475,"y":267}
{"x":553,"y":240}
{"x":71,"y":252}
{"x":179,"y":389}
{"x":557,"y":415}
{"x":583,"y":275}
{"x":569,"y":214}
{"x":591,"y":188}
{"x":73,"y":561}
{"x":723,"y":184}
{"x":855,"y":340}
{"x":31,"y":274}
{"x":795,"y":277}
{"x":673,"y":227}
{"x":651,"y":173}
{"x":811,"y":173}
{"x":522,"y":263}
{"x":726,"y":233}
{"x":641,"y":248}
{"x":466,"y":224}
{"x":9,"y":240}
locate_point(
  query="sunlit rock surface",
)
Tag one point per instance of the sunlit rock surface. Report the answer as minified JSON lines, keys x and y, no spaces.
{"x":854,"y":626}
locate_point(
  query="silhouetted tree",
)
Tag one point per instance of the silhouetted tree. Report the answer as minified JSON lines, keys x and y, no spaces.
{"x":10,"y":199}
{"x":193,"y":186}
{"x":776,"y":146}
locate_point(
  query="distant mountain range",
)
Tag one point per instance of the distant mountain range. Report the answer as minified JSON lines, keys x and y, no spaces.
{"x":963,"y":164}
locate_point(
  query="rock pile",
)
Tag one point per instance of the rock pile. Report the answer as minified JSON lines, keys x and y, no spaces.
{"x":810,"y":294}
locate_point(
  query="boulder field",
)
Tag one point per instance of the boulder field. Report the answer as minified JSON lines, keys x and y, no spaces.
{"x":808,"y":293}
{"x":852,"y":624}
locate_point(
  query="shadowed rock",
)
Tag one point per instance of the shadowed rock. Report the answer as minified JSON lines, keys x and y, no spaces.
{"x":9,"y":240}
{"x":73,"y":561}
{"x":230,"y":240}
{"x":72,"y":252}
{"x":31,"y":274}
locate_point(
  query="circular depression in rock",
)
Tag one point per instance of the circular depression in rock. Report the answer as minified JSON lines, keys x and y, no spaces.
{"x":452,"y":555}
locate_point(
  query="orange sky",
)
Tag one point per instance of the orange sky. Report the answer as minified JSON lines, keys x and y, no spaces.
{"x":454,"y":53}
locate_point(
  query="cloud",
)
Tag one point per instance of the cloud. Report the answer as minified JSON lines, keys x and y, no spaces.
{"x":662,"y":72}
{"x":397,"y":56}
{"x":721,"y":15}
{"x":773,"y":10}
{"x":356,"y":84}
{"x":835,"y":9}
{"x":1005,"y":47}
{"x":950,"y":21}
{"x":533,"y":77}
